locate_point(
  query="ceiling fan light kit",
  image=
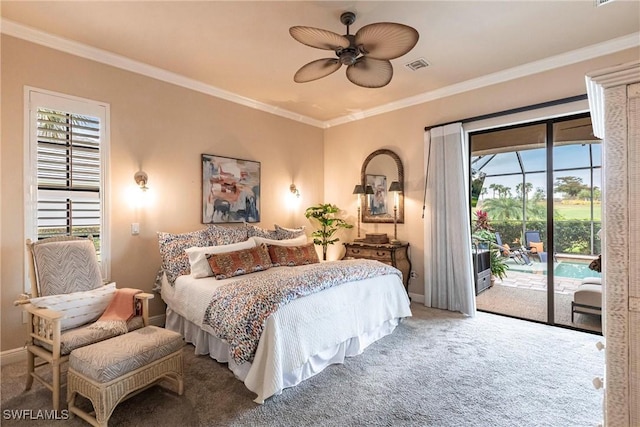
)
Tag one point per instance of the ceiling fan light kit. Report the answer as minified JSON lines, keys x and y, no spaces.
{"x":366,"y":54}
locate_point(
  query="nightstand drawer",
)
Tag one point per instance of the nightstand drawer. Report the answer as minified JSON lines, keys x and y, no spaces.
{"x":369,"y":253}
{"x":393,"y":255}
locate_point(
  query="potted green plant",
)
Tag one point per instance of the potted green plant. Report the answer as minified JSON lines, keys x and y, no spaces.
{"x":324,"y":214}
{"x":498,"y":265}
{"x":484,"y":235}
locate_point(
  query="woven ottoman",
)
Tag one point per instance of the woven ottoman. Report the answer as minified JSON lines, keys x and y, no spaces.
{"x":110,"y":371}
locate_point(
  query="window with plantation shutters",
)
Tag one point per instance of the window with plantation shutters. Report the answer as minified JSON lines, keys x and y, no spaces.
{"x":68,"y":174}
{"x":67,"y":169}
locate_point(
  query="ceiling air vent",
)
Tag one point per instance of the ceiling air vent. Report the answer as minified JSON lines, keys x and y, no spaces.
{"x":601,"y":2}
{"x":417,"y":64}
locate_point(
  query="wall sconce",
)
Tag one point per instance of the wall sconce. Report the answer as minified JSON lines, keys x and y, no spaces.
{"x":294,"y":190}
{"x":395,"y":188}
{"x":141,"y":179}
{"x":359,"y":191}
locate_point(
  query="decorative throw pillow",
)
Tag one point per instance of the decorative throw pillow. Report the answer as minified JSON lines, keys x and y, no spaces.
{"x":293,"y":255}
{"x":288,"y":233}
{"x":236,"y":263}
{"x":79,"y":308}
{"x":536,"y":247}
{"x":220,"y":235}
{"x":297,"y":241}
{"x":66,"y":266}
{"x":198,"y":256}
{"x":255,"y":231}
{"x":175,"y":261}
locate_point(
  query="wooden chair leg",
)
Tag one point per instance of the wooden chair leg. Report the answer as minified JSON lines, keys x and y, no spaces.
{"x":31,"y":366}
{"x":56,"y":385}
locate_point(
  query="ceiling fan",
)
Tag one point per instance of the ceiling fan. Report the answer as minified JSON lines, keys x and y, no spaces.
{"x":366,"y":54}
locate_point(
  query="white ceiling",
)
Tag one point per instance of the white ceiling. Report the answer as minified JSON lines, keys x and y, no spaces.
{"x":242,"y":50}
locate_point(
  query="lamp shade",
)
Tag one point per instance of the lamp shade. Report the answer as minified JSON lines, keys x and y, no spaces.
{"x":395,"y":186}
{"x":368,"y":190}
{"x":358,"y":189}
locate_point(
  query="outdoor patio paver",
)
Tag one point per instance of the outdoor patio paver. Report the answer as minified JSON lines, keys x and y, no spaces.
{"x":518,"y":279}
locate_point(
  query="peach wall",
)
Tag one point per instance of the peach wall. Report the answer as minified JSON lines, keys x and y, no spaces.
{"x":346,"y":146}
{"x":162,"y":129}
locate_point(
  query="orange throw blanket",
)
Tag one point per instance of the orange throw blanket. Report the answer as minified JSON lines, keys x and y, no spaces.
{"x":119,"y":311}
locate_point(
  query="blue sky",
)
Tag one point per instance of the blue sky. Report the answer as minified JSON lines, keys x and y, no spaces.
{"x":534,"y":163}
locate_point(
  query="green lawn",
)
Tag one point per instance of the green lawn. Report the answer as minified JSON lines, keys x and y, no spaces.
{"x":578,"y":211}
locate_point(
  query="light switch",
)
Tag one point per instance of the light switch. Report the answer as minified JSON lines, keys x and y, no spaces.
{"x":135,"y":229}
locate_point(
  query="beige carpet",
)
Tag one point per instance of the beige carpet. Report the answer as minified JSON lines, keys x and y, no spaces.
{"x":437,"y":369}
{"x":532,"y":304}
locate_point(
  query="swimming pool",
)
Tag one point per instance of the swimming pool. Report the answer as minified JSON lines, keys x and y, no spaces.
{"x":573,"y":270}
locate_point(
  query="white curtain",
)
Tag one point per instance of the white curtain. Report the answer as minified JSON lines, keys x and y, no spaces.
{"x":447,"y":232}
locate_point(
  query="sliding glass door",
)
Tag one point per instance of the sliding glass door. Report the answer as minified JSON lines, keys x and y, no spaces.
{"x":533,"y":198}
{"x":577,"y":164}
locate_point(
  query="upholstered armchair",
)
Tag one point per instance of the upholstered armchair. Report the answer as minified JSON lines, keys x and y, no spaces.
{"x":67,"y":297}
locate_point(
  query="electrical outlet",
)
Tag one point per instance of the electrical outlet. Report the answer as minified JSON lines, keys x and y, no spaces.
{"x":135,"y":229}
{"x":413,"y":275}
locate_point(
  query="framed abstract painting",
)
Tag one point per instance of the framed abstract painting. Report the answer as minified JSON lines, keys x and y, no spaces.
{"x":230,"y":190}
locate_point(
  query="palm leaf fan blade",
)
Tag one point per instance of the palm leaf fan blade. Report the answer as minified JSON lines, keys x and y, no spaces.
{"x":370,"y":73}
{"x":319,"y":38}
{"x":317,"y":69}
{"x":386,"y":40}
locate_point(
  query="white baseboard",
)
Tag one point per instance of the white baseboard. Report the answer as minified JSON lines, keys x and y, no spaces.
{"x":20,"y":354}
{"x":417,"y":298}
{"x":13,"y":356}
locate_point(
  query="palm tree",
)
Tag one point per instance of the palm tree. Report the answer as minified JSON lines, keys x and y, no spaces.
{"x":527,"y":187}
{"x":503,"y":208}
{"x":494,"y":188}
{"x":536,"y":210}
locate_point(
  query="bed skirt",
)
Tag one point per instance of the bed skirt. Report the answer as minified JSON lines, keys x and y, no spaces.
{"x":254,"y":375}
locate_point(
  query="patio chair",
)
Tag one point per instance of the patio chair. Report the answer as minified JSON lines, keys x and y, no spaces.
{"x":68,"y":295}
{"x":534,"y":245}
{"x":517,"y":255}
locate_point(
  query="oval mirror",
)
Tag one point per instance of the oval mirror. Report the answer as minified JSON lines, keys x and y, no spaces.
{"x":379,"y":170}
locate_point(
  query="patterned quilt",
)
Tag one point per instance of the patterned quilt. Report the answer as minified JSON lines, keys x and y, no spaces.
{"x":238,"y":311}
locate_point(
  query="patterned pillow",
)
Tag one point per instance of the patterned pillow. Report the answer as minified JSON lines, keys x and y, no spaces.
{"x":198,"y":256}
{"x":288,"y":233}
{"x":175,"y":261}
{"x":66,"y":266}
{"x":255,"y":231}
{"x":79,"y":308}
{"x":227,"y":235}
{"x":240,"y":262}
{"x":293,"y":255}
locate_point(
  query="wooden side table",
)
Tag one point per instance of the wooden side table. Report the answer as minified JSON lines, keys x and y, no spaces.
{"x":394,"y":255}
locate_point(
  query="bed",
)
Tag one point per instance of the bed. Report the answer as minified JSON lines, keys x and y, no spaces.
{"x":300,"y":338}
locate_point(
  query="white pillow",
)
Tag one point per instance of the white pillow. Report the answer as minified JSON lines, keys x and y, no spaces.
{"x":198,"y":256}
{"x":297,"y":241}
{"x":79,"y":308}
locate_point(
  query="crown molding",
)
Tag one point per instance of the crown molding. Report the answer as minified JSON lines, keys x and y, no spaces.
{"x":600,"y":80}
{"x":99,"y":55}
{"x":550,"y":63}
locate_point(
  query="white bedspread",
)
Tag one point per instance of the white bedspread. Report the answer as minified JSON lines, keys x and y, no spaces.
{"x":307,"y":334}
